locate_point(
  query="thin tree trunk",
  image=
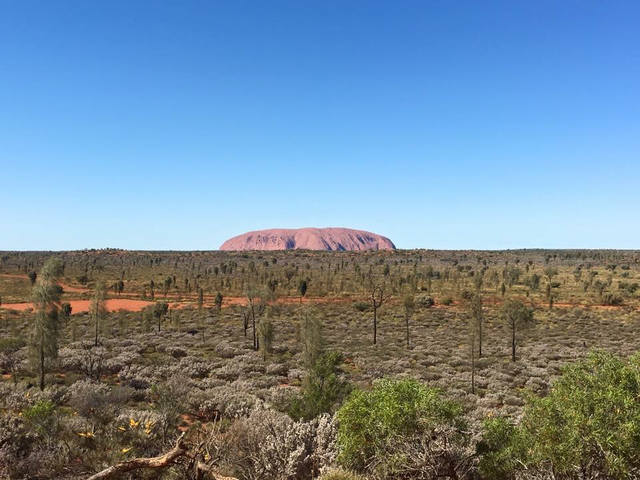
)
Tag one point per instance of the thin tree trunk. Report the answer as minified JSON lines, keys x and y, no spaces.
{"x":406,"y":318}
{"x":255,"y":338}
{"x":480,"y":338}
{"x":513,"y":342}
{"x":375,"y":325}
{"x":473,"y":367}
{"x":41,"y":366}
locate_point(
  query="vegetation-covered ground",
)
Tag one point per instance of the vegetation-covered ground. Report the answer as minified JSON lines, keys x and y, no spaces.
{"x":292,"y":400}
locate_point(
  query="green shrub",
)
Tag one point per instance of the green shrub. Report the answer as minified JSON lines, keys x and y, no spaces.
{"x":611,"y":299}
{"x":500,"y":449}
{"x":11,"y":345}
{"x":446,"y":301}
{"x":340,"y":474}
{"x":323,"y":388}
{"x":371,"y":421}
{"x":42,"y":417}
{"x":362,"y":306}
{"x":628,"y":288}
{"x":587,"y":427}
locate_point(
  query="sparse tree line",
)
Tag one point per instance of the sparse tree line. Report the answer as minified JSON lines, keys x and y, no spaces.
{"x":50,"y":312}
{"x":183,"y":275}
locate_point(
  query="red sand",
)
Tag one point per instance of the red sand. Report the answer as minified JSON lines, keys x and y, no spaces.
{"x":133,"y":305}
{"x":80,"y":306}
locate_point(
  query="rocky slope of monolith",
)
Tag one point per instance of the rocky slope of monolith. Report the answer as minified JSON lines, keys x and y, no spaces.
{"x":309,"y":239}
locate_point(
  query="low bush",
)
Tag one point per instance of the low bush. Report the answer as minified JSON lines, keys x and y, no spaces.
{"x":269,"y":445}
{"x":340,"y":474}
{"x":425,"y":301}
{"x":324,"y":388}
{"x":400,"y":426}
{"x":611,"y":299}
{"x":362,"y":306}
{"x":588,"y":426}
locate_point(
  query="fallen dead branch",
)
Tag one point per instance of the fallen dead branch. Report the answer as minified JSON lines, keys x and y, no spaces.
{"x":161,"y":461}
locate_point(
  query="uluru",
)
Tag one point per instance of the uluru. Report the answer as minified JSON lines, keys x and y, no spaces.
{"x":328,"y":239}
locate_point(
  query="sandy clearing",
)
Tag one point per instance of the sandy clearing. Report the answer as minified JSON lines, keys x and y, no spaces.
{"x":81,"y":306}
{"x":132,"y":305}
{"x":190,"y":301}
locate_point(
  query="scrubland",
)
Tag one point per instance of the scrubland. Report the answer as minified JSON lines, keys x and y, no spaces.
{"x":428,"y":400}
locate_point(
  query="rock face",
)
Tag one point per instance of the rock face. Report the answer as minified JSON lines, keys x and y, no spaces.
{"x":309,"y":239}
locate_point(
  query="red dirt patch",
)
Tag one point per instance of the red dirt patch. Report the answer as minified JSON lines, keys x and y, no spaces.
{"x":81,"y":306}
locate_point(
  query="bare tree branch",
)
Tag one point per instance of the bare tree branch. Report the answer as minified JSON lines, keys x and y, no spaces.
{"x":165,"y":460}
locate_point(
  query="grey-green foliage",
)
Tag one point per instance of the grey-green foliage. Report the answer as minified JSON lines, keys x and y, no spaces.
{"x":324,"y":388}
{"x":147,"y":319}
{"x":266,"y":334}
{"x":167,"y":399}
{"x":45,"y":330}
{"x":98,"y":308}
{"x":409,"y":306}
{"x":517,"y":316}
{"x":501,"y":449}
{"x":160,"y":309}
{"x":587,"y":427}
{"x":43,"y":419}
{"x":385,"y":430}
{"x":474,"y":305}
{"x":218,"y":300}
{"x":10,"y":356}
{"x":311,"y":337}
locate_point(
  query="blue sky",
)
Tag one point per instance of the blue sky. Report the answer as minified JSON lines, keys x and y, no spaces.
{"x":440,"y":124}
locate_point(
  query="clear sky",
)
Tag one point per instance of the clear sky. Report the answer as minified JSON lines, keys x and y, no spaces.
{"x":440,"y":124}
